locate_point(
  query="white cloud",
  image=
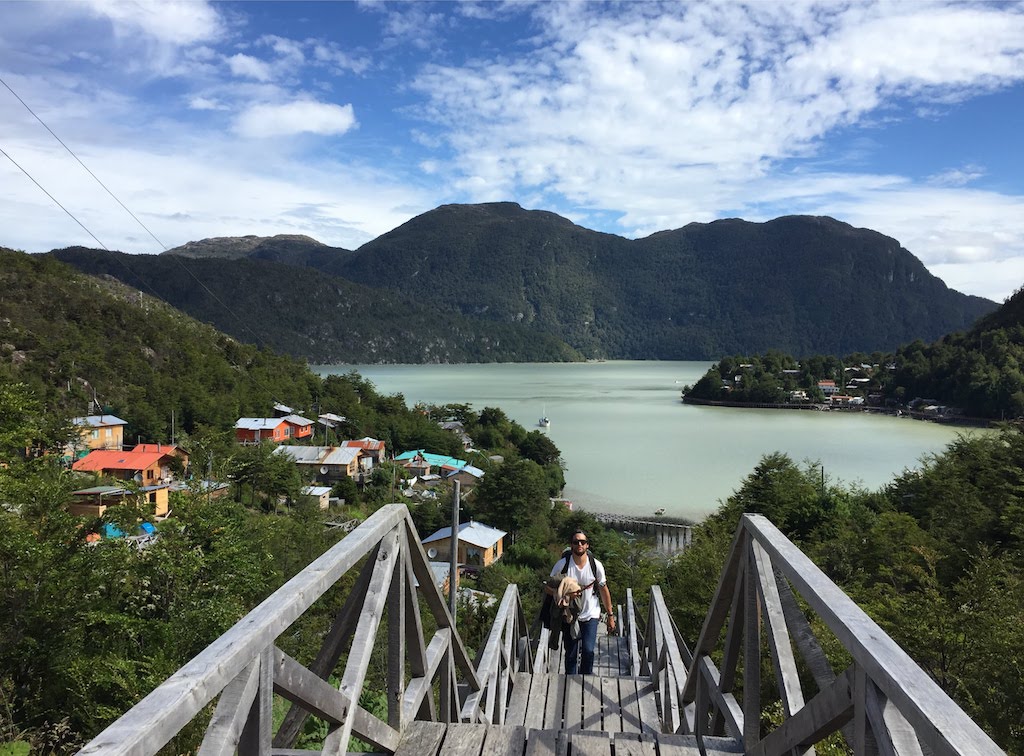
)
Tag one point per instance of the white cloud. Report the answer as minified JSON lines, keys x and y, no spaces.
{"x":302,"y":116}
{"x":957,"y":176}
{"x":205,"y":103}
{"x":178,"y":22}
{"x":249,"y":67}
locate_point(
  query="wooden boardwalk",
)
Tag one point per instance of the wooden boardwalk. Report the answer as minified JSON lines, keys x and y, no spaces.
{"x":550,"y":713}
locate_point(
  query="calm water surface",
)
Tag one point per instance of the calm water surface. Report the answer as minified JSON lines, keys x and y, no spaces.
{"x":630,"y":445}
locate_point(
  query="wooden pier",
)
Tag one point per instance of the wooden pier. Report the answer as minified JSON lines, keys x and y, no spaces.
{"x":652,"y":694}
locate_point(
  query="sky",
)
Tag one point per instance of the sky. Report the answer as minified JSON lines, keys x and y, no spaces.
{"x":342,"y":121}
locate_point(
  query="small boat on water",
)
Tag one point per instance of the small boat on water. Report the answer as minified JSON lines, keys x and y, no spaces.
{"x":544,"y":422}
{"x":659,"y":512}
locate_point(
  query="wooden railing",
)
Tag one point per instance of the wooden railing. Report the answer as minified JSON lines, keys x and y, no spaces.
{"x":245,"y":668}
{"x":882,"y":703}
{"x":506,"y":652}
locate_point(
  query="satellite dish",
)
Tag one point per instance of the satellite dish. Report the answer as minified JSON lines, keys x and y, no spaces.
{"x":138,"y":477}
{"x":432,"y":553}
{"x":323,"y":470}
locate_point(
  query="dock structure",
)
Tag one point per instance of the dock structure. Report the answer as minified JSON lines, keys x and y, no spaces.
{"x":670,"y":538}
{"x":652,"y":693}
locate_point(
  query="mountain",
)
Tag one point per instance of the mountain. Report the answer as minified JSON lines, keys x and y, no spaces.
{"x":303,"y":312}
{"x":75,"y":339}
{"x":800,"y":284}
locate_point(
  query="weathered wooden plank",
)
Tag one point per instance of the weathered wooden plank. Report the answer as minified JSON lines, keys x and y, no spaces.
{"x":573,"y":702}
{"x":942,"y":726}
{"x":396,"y":604}
{"x":542,"y":743}
{"x":629,"y":708}
{"x":650,"y":722}
{"x":257,"y":732}
{"x":555,"y":702}
{"x":438,"y":606}
{"x":464,"y":739}
{"x":716,"y":615}
{"x":516,"y":712}
{"x":725,"y":704}
{"x":232,"y":710}
{"x":610,"y":704}
{"x":159,"y":716}
{"x":713,"y":746}
{"x":590,"y":743}
{"x":672,"y":744}
{"x":537,"y":704}
{"x":751,"y":656}
{"x":631,"y":633}
{"x":504,"y":740}
{"x":591,"y":702}
{"x":823,"y":714}
{"x":420,"y":688}
{"x":299,"y":685}
{"x":364,"y":640}
{"x":490,"y":660}
{"x":677,"y":667}
{"x":422,"y":739}
{"x":330,"y":651}
{"x":632,"y":744}
{"x":784,"y":662}
{"x":415,"y":642}
{"x":893,"y":734}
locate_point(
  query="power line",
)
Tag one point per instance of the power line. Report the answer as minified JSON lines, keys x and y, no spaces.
{"x":119,"y":256}
{"x":70,"y":214}
{"x":197,"y":279}
{"x":72,"y":153}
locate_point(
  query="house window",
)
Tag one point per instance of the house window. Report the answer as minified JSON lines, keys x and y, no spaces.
{"x":95,"y":434}
{"x":287,"y":431}
{"x":152,"y":497}
{"x":107,"y":432}
{"x":149,"y":474}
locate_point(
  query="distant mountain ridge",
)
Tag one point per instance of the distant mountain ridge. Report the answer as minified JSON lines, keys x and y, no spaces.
{"x":801,"y":284}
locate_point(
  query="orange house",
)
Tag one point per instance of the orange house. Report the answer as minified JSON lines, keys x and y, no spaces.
{"x":93,"y":502}
{"x":252,"y":430}
{"x":146,"y":468}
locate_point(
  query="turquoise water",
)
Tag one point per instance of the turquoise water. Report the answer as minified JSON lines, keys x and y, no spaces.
{"x":630,"y":445}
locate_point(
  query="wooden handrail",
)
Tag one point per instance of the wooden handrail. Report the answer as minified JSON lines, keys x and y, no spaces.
{"x":505,"y":653}
{"x":884,"y":698}
{"x":246,"y":666}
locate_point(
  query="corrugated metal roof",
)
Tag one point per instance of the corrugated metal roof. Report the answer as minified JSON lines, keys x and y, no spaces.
{"x":296,"y":420}
{"x":318,"y":455}
{"x":258,"y":423}
{"x":474,"y":533}
{"x":434,"y":460}
{"x":112,"y":459}
{"x":98,"y":421}
{"x":340,"y":456}
{"x":316,"y":490}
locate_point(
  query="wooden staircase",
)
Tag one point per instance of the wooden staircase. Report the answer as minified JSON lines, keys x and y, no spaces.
{"x":651,"y":693}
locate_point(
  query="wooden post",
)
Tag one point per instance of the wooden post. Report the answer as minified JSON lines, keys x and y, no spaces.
{"x":453,"y":559}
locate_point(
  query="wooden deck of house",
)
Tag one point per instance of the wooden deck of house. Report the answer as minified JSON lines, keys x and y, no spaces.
{"x":652,"y":694}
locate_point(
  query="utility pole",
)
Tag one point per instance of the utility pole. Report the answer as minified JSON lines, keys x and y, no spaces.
{"x":453,"y":559}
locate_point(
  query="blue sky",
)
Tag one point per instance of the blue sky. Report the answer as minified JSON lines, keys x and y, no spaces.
{"x":344,"y":120}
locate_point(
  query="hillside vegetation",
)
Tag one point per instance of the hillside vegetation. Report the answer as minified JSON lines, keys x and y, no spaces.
{"x":322,"y":318}
{"x":978,"y":373}
{"x":799,"y":284}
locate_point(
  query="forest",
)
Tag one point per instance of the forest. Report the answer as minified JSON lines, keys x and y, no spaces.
{"x":978,"y":373}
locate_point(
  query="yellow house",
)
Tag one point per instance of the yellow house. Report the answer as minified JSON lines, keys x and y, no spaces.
{"x":93,"y":502}
{"x":99,"y":432}
{"x":479,"y":545}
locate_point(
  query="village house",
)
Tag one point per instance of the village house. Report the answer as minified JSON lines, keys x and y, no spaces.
{"x":456,"y":427}
{"x":468,"y":477}
{"x":253,"y":430}
{"x":151,"y":465}
{"x":97,"y":432}
{"x":319,"y":495}
{"x":479,"y":545}
{"x":94,"y":501}
{"x":373,"y":452}
{"x":326,"y":464}
{"x":420,"y":463}
{"x":828,"y":387}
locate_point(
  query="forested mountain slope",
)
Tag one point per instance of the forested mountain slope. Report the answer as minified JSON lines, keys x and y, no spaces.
{"x":305,"y":313}
{"x":799,"y":284}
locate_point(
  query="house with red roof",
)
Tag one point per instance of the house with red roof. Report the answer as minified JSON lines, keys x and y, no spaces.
{"x":146,"y":468}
